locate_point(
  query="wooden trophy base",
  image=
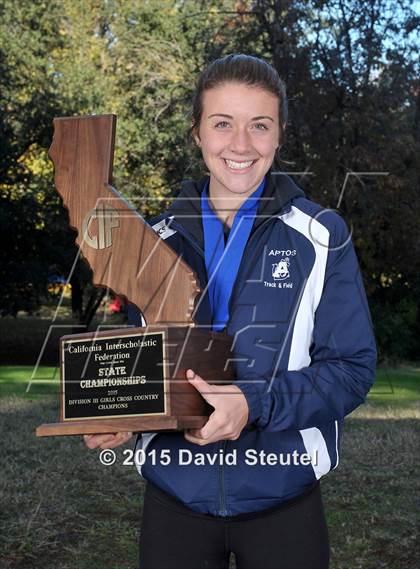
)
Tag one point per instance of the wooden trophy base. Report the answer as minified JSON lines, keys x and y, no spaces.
{"x":132,"y":424}
{"x":134,"y":380}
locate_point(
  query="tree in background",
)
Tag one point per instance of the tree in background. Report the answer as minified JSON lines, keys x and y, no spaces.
{"x":353,"y":82}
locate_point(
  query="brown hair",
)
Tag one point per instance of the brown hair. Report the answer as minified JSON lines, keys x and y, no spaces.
{"x":240,"y":68}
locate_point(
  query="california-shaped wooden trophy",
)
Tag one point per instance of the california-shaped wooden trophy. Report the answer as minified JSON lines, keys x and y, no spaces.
{"x":130,"y":379}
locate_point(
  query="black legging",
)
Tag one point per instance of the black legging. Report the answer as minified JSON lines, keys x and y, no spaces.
{"x":291,"y":536}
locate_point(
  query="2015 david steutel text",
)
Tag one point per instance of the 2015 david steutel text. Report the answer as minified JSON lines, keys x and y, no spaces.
{"x":251,"y":457}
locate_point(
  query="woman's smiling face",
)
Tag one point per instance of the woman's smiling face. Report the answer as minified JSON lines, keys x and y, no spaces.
{"x":238,"y":135}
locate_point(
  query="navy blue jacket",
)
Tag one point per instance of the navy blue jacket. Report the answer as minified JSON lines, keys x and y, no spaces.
{"x":305,"y":348}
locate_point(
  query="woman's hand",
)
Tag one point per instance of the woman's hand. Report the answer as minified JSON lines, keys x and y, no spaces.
{"x":230,"y":413}
{"x":107,"y":441}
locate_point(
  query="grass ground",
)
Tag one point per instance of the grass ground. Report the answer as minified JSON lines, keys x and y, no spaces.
{"x":29,"y":337}
{"x":63,"y":510}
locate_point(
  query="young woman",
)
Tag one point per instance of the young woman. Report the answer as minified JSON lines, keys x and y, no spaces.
{"x":280,"y":275}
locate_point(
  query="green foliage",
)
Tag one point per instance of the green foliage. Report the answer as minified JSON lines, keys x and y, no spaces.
{"x":396,"y":329}
{"x":28,"y":35}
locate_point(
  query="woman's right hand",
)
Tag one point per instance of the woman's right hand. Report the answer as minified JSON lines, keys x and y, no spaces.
{"x":109,"y":440}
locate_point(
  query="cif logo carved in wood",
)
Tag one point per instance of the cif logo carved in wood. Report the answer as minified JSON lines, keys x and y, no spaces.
{"x":108,"y":218}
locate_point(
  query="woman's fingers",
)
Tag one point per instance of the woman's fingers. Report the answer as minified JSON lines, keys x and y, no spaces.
{"x":121,"y":438}
{"x":108,"y":440}
{"x":230,"y":413}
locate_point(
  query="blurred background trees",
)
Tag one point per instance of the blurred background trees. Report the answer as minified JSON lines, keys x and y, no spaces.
{"x":352,"y":139}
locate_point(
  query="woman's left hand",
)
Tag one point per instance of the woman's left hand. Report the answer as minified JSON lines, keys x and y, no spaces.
{"x":230,"y":413}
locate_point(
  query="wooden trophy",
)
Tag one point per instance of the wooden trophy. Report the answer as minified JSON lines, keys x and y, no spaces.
{"x":131,"y":379}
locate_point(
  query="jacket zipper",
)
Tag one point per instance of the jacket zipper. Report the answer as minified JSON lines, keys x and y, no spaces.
{"x":222,"y":445}
{"x":222,"y":498}
{"x":222,"y":501}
